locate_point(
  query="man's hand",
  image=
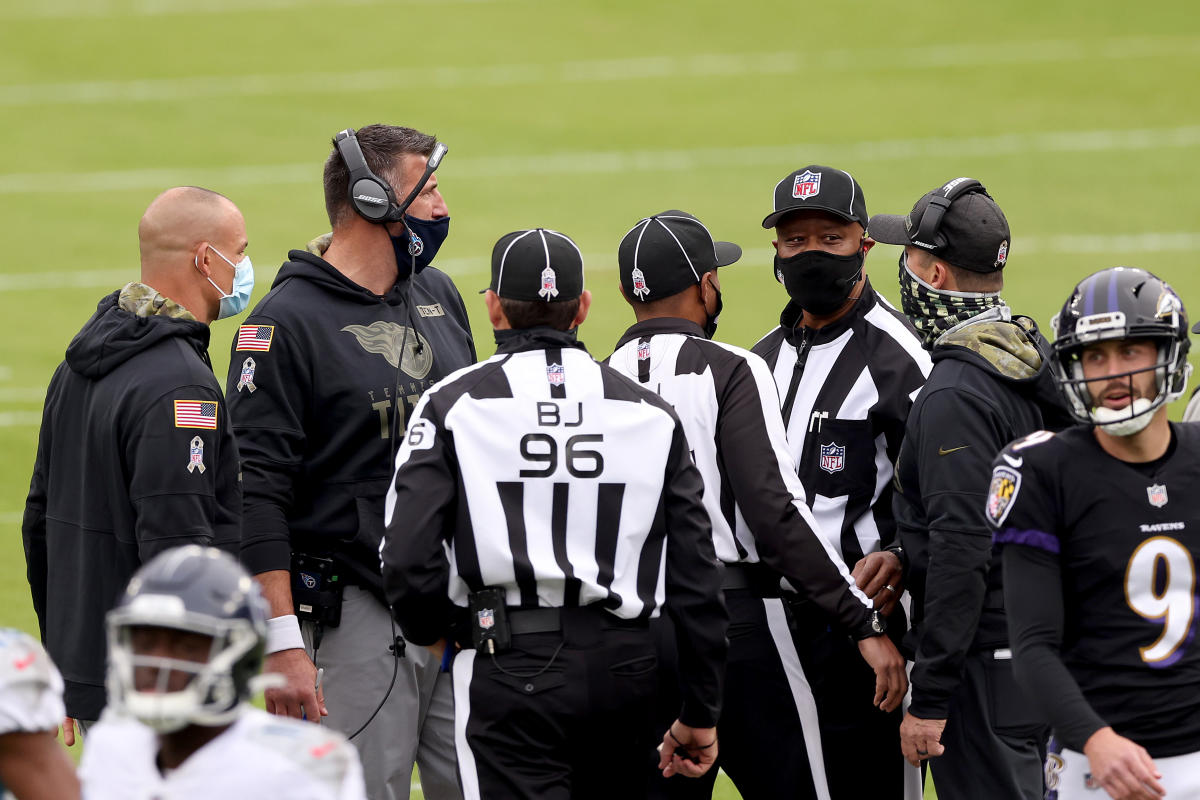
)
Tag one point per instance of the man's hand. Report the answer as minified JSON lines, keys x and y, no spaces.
{"x":1122,"y":766}
{"x":880,"y":575}
{"x":68,"y":731}
{"x":300,"y":698}
{"x":921,"y":738}
{"x":681,"y":744}
{"x":891,"y":681}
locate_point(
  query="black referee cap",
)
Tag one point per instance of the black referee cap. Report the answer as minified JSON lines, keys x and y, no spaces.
{"x":821,"y":188}
{"x":537,"y":264}
{"x":664,"y":254}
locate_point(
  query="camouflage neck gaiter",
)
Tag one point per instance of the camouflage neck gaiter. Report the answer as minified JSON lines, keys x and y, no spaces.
{"x":935,"y":311}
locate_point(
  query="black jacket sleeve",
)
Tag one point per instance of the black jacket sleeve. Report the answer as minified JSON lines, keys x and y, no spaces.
{"x":1033,"y":598}
{"x":33,"y":525}
{"x":420,"y":518}
{"x":750,"y":440}
{"x":269,"y":422}
{"x":959,"y":435}
{"x":182,"y":477}
{"x":693,"y":585}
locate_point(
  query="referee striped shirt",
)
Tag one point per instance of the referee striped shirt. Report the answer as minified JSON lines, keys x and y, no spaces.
{"x":846,"y":390}
{"x":553,"y":477}
{"x":727,"y":402}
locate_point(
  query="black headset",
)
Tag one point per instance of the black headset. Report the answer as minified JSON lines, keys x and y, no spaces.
{"x":372,"y":196}
{"x":926,"y":234}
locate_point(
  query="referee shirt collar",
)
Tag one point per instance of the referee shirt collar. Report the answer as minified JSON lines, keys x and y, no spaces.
{"x":652,"y":327}
{"x":790,"y":316}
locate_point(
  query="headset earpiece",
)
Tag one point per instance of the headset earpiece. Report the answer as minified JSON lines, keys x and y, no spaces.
{"x":371,"y":196}
{"x":926,"y":234}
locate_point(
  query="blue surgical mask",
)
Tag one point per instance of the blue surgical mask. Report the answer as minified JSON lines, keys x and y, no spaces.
{"x":419,"y":243}
{"x":243,"y":286}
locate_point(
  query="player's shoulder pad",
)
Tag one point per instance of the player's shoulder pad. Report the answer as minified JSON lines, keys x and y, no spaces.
{"x":23,"y":661}
{"x":321,"y":753}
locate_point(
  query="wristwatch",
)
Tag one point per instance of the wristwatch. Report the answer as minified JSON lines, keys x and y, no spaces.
{"x":874,"y":625}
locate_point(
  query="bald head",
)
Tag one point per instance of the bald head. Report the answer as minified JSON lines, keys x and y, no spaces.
{"x":175,"y":236}
{"x":179,"y":219}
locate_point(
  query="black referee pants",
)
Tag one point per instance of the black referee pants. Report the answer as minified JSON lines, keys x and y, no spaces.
{"x":566,"y":714}
{"x":762,"y":746}
{"x":861,"y":744}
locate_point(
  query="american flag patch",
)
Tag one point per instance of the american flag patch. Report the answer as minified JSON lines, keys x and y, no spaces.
{"x":196,"y":414}
{"x":255,"y":337}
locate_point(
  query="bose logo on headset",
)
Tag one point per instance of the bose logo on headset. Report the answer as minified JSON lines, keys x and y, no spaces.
{"x":379,"y":201}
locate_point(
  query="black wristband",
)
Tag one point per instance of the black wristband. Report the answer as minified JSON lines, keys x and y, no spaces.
{"x":898,"y":551}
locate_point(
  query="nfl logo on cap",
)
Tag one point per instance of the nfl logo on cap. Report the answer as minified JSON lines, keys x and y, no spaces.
{"x":808,"y":184}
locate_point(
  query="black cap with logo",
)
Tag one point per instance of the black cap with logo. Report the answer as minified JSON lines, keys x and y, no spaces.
{"x":822,"y":189}
{"x":958,"y":222}
{"x":664,"y":254}
{"x":537,"y":264}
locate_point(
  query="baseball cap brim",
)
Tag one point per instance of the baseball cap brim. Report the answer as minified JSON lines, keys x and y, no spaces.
{"x":772,"y":219}
{"x":889,"y":229}
{"x":727,"y":253}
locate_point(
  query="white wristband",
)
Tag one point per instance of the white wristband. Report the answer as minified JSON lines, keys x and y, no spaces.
{"x":283,"y":633}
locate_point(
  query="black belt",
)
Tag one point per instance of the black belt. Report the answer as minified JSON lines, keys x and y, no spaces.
{"x":550,"y":620}
{"x":534,"y":620}
{"x":753,"y":577}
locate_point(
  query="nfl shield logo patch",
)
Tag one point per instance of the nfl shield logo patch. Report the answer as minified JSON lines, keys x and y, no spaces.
{"x":1157,"y":495}
{"x":555,"y":374}
{"x":643,"y":351}
{"x":487,"y":618}
{"x":833,"y":457}
{"x":639,"y":283}
{"x":549,"y":284}
{"x":808,"y":184}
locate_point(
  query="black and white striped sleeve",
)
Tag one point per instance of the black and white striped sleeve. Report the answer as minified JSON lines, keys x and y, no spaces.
{"x":419,"y":508}
{"x":752,"y":445}
{"x":693,"y":587}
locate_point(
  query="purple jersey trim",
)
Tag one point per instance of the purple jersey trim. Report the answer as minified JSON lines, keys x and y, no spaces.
{"x":1039,"y":539}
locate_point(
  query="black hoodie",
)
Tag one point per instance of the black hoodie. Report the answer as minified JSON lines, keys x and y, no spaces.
{"x":135,"y":455}
{"x":990,"y":384}
{"x":312,"y":380}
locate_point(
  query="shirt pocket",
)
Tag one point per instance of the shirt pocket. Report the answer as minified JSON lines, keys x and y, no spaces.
{"x":839,"y":459}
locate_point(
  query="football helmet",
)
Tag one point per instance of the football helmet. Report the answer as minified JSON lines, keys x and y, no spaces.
{"x":1113,"y":304}
{"x":197,"y":590}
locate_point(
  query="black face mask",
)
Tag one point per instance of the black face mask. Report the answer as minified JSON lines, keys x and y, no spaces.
{"x":416,"y":247}
{"x":818,"y":281}
{"x":710,"y":324}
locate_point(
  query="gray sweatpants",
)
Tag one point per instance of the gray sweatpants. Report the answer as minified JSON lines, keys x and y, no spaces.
{"x":416,"y":724}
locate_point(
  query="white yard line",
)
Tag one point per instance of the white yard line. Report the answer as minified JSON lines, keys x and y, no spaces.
{"x":625,"y":161}
{"x":464,"y":269}
{"x":693,"y":67}
{"x":119,"y":9}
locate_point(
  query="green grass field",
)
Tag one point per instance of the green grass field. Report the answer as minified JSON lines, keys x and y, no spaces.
{"x":582,"y":116}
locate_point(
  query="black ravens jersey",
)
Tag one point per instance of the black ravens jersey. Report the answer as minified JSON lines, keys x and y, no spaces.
{"x":1104,"y":584}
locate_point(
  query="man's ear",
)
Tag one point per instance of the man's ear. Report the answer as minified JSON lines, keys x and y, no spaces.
{"x":200,"y":260}
{"x":585,"y":304}
{"x":495,"y":311}
{"x":867,"y":244}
